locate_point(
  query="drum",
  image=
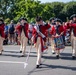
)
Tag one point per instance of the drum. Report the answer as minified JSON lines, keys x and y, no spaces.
{"x":59,"y":44}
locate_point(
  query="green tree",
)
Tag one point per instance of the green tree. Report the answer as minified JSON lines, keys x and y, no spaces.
{"x":14,"y":9}
{"x":57,"y":8}
{"x":5,"y":5}
{"x":70,"y":8}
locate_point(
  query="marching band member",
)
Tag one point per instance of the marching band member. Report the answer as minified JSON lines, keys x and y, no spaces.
{"x":2,"y":35}
{"x":39,"y":38}
{"x":52,"y":23}
{"x":22,"y":30}
{"x":73,"y":35}
{"x":68,"y":31}
{"x":58,"y":30}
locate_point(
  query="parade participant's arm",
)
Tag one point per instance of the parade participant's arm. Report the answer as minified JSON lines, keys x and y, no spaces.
{"x":69,"y":27}
{"x":2,"y":27}
{"x":53,"y":31}
{"x":61,"y":30}
{"x":29,"y":33}
{"x":15,"y":30}
{"x":18,"y":29}
{"x":33,"y":35}
{"x":42,"y":35}
{"x":62,"y":33}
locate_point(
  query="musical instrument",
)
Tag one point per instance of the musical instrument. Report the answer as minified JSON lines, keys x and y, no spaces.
{"x":59,"y":44}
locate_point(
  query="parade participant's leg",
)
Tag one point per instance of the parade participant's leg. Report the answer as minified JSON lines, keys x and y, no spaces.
{"x":25,"y":40}
{"x":35,"y":40}
{"x":72,"y":44}
{"x":10,"y":39}
{"x":21,"y":42}
{"x":52,"y":46}
{"x":63,"y":39}
{"x":74,"y":49}
{"x":48,"y":41}
{"x":13,"y":38}
{"x":1,"y":45}
{"x":57,"y":54}
{"x":39,"y":53}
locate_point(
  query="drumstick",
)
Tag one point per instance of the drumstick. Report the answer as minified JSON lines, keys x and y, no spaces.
{"x":27,"y":58}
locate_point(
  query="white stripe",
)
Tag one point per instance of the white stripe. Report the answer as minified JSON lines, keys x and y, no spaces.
{"x":12,"y":62}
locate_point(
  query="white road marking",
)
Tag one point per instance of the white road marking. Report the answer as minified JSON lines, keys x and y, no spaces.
{"x":12,"y":62}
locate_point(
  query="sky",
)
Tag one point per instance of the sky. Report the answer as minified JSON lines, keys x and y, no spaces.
{"x":44,"y":1}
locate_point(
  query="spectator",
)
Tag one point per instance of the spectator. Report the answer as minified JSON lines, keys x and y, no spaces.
{"x":11,"y":33}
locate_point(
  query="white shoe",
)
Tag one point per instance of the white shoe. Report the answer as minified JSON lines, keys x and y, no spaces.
{"x":53,"y":52}
{"x":0,"y":53}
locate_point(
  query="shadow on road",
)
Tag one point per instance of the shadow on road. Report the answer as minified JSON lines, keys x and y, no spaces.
{"x":49,"y":67}
{"x":66,"y":54}
{"x":59,"y":66}
{"x":12,"y":55}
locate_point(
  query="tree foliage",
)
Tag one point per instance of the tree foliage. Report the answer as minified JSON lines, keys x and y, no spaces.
{"x":14,"y":9}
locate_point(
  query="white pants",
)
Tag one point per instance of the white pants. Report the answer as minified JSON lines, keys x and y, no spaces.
{"x":23,"y":42}
{"x":39,"y":52}
{"x":1,"y":44}
{"x":73,"y":46}
{"x":52,"y":44}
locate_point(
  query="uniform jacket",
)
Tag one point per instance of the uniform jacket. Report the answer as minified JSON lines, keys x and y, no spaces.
{"x":25,"y":28}
{"x":2,"y":30}
{"x":57,"y":30}
{"x":73,"y":27}
{"x":42,"y":29}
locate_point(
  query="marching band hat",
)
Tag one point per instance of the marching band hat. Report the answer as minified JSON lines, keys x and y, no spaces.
{"x":1,"y":20}
{"x":22,"y":18}
{"x":38,"y":18}
{"x":51,"y":19}
{"x":58,"y":20}
{"x":74,"y":15}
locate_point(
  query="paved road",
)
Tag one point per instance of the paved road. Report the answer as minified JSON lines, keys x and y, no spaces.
{"x":12,"y":64}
